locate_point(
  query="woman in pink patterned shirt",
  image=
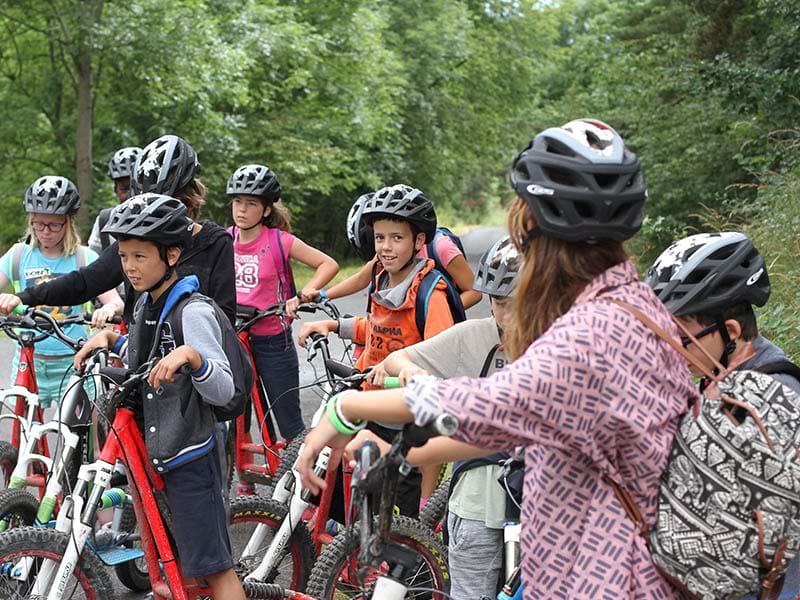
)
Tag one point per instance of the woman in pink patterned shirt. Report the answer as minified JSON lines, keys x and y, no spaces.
{"x":593,"y":395}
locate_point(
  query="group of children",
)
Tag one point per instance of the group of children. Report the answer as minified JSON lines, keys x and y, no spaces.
{"x":569,"y":398}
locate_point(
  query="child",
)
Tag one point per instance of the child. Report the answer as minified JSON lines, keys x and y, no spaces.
{"x":710,"y":282}
{"x":453,"y":263}
{"x":477,"y":504}
{"x":120,"y":168}
{"x":263,"y":245}
{"x":590,"y":391}
{"x":403,"y":220}
{"x":52,"y":248}
{"x":167,"y":165}
{"x":179,"y":424}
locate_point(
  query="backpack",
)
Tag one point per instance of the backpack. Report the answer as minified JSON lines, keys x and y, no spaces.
{"x":238,"y":358}
{"x":282,"y":265}
{"x":432,"y":254}
{"x":729,"y":501}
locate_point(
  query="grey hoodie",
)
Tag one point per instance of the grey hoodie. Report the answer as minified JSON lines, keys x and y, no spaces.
{"x":766,"y":353}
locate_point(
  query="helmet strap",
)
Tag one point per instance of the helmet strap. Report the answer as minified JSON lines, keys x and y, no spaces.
{"x":162,"y":252}
{"x":730,"y":345}
{"x":531,"y":235}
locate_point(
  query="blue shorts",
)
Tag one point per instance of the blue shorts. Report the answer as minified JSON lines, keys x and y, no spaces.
{"x":195,"y":496}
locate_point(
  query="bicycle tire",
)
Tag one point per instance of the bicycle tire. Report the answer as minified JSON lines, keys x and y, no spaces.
{"x":18,"y":508}
{"x":132,"y":574}
{"x":252,"y":510}
{"x":289,"y":454}
{"x":432,"y":515}
{"x":8,"y":460}
{"x":325,"y":578}
{"x":91,"y":582}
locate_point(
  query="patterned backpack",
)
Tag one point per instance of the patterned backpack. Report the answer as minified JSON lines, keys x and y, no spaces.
{"x":729,"y":504}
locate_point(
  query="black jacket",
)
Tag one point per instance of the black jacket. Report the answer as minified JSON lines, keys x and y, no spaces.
{"x":210,"y":258}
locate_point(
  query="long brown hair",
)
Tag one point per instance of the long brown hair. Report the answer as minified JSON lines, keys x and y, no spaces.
{"x":552,"y":276}
{"x":193,"y":197}
{"x":279,"y":216}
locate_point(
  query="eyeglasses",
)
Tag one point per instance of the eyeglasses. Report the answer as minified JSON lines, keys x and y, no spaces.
{"x":710,"y":329}
{"x":54,"y":227}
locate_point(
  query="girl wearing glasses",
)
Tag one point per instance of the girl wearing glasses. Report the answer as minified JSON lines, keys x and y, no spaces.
{"x":51,"y":247}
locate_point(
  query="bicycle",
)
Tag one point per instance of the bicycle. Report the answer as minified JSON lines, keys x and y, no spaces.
{"x":381,"y":555}
{"x":51,"y":563}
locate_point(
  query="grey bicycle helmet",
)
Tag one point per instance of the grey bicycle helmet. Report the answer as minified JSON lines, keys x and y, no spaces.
{"x":497,"y":269}
{"x":165,"y":166}
{"x":122,"y":163}
{"x":254,"y":180}
{"x":402,"y":202}
{"x":581,"y":183}
{"x":359,"y":232}
{"x":52,"y":195}
{"x":709,"y":272}
{"x":153,"y":217}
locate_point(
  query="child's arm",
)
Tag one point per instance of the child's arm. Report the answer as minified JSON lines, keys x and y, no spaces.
{"x":354,"y":328}
{"x":202,"y":351}
{"x":103,"y":339}
{"x":325,"y":268}
{"x":112,"y":305}
{"x":436,"y":451}
{"x":354,"y":283}
{"x":461,"y":274}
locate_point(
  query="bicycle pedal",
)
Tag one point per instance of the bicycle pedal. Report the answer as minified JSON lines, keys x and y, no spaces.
{"x":116,"y":555}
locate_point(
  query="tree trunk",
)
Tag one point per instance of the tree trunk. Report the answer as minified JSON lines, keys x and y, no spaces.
{"x":83,"y":137}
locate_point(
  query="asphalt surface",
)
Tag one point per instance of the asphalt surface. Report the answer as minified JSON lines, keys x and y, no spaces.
{"x":475,"y":243}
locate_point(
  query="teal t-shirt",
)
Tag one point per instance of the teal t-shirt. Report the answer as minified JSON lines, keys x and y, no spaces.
{"x":35,"y":268}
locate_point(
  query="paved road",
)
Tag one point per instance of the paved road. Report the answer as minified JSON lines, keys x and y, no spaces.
{"x":475,"y":243}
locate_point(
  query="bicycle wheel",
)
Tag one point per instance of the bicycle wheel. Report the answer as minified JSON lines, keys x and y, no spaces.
{"x":88,"y":581}
{"x":334,"y":575}
{"x":132,"y":574}
{"x":18,"y":508}
{"x":293,"y":569}
{"x":431,"y":516}
{"x":8,"y":460}
{"x":289,"y":455}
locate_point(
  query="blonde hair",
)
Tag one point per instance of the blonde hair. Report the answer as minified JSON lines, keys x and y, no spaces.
{"x":71,"y":238}
{"x":553,"y":274}
{"x":279,"y":217}
{"x":193,"y":197}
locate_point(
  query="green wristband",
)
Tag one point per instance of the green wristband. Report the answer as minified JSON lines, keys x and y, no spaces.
{"x":337,"y":423}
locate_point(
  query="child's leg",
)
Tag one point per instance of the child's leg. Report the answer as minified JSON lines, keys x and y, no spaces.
{"x":278,"y":366}
{"x":430,"y":479}
{"x":195,"y":497}
{"x":475,"y":555}
{"x":225,"y":586}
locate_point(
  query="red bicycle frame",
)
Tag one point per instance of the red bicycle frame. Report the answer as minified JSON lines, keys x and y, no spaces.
{"x":246,"y":449}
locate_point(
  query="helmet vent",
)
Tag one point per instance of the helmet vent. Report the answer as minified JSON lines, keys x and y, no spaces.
{"x":559,"y":176}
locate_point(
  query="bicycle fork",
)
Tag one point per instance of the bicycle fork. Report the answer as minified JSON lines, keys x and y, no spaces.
{"x":288,"y":488}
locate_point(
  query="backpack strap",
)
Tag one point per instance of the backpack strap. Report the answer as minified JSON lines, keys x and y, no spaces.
{"x":426,"y":288}
{"x":780,"y":367}
{"x":372,"y":285}
{"x":16,"y":258}
{"x":282,"y":266}
{"x":487,"y":364}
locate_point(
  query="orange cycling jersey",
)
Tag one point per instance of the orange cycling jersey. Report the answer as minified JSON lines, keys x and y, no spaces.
{"x":388,"y":329}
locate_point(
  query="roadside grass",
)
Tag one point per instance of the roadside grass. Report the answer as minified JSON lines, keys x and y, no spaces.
{"x":302,"y":273}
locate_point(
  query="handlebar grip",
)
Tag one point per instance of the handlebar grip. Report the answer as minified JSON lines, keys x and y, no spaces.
{"x":20,"y":309}
{"x":416,"y":436}
{"x":115,"y":320}
{"x":340,"y":369}
{"x":391,"y":383}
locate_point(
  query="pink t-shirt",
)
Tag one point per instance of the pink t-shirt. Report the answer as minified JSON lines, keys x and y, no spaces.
{"x":257,"y":279}
{"x":445,"y":248}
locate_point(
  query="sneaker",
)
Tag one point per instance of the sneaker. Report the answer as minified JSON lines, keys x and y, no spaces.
{"x":246,"y":488}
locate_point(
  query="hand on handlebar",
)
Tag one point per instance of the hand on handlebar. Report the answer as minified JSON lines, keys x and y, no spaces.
{"x":324,"y":434}
{"x":408,"y":372}
{"x":104,"y":339}
{"x":8,"y":302}
{"x":377,"y":374}
{"x":320,"y":327}
{"x":164,"y":370}
{"x":363,"y":436}
{"x":103,"y":314}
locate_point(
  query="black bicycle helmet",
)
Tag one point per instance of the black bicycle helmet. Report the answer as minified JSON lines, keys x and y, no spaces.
{"x":52,"y":195}
{"x":402,"y":202}
{"x":122,"y":163}
{"x":359,"y":232}
{"x":165,"y":166}
{"x":254,"y":180}
{"x":497,"y":269}
{"x":581,"y":183}
{"x":709,"y":272}
{"x":154,"y":217}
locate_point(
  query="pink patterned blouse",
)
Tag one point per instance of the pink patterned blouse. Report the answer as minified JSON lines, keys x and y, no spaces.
{"x":597,"y":393}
